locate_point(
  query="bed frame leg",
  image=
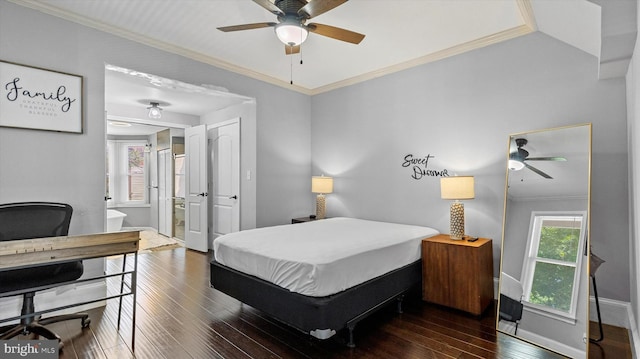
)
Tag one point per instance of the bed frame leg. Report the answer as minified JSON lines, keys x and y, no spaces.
{"x":351,"y":343}
{"x":399,"y":303}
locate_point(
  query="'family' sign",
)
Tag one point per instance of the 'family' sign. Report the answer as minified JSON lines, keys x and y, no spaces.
{"x":36,"y":98}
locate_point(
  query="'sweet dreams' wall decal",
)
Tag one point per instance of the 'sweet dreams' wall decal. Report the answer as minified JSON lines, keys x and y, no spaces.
{"x":420,"y":167}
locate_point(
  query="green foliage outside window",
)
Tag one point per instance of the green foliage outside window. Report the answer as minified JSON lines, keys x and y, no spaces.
{"x":552,"y":284}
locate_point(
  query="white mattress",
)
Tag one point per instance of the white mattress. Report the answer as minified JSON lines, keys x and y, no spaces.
{"x":321,"y":258}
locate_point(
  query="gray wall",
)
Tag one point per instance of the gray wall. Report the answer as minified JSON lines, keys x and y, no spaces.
{"x":461,"y":110}
{"x":70,"y":167}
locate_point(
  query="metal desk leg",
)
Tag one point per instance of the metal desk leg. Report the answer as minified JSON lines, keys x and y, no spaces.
{"x":124,"y":268}
{"x":595,"y":292}
{"x":134,"y":286}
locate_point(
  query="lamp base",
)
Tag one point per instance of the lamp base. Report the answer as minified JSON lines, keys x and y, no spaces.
{"x":320,"y":206}
{"x":456,"y":222}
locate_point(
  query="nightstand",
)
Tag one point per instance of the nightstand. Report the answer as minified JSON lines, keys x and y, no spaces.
{"x":302,"y":220}
{"x":457,"y":273}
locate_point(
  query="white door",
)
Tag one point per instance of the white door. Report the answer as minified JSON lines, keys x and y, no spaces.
{"x":196,"y":213}
{"x":225,"y":174}
{"x":165,"y":193}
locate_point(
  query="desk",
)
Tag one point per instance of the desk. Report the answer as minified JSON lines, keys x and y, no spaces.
{"x":50,"y":250}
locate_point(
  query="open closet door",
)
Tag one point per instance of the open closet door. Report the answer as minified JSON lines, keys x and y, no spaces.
{"x":196,"y":223}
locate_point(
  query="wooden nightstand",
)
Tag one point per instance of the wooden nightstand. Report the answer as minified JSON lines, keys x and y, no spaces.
{"x":457,"y":273}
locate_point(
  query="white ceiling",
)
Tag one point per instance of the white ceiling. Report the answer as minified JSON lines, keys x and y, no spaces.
{"x":399,"y":33}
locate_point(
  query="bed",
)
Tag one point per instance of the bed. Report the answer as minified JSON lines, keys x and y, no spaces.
{"x":320,"y":276}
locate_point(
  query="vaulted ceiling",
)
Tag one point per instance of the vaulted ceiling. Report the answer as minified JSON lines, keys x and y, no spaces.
{"x":399,"y":33}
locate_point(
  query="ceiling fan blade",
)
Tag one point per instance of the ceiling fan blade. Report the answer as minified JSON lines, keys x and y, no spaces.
{"x":336,"y":33}
{"x":247,"y":26}
{"x":546,"y":159}
{"x":271,"y":7}
{"x":290,"y":50}
{"x":538,"y":171}
{"x":317,"y":7}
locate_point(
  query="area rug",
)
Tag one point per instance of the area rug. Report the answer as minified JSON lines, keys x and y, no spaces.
{"x":151,"y":240}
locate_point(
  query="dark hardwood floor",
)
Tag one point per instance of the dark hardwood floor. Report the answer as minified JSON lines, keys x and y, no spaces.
{"x":179,"y":316}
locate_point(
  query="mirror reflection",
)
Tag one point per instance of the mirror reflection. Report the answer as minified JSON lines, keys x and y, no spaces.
{"x":544,"y":286}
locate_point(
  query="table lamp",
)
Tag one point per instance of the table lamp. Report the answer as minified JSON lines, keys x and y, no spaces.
{"x":457,"y":188}
{"x":321,"y":185}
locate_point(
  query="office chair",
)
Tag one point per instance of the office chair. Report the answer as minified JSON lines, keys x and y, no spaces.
{"x":36,"y":220}
{"x":511,"y":306}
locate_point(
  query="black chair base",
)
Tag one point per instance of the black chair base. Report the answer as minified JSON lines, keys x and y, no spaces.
{"x":37,"y":327}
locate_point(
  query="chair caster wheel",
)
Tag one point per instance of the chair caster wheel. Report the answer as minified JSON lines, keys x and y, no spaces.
{"x":86,"y":323}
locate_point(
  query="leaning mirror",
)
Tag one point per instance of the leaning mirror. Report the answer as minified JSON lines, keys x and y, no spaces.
{"x":544,"y":275}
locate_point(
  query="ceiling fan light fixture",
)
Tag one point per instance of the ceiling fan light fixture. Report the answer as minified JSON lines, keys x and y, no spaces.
{"x":155,"y":112}
{"x":515,"y":165}
{"x":291,"y":34}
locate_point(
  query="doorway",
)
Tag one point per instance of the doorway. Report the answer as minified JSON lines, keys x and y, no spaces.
{"x":127,"y":97}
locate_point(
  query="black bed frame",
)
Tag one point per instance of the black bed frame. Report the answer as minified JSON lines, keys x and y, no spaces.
{"x":308,"y":314}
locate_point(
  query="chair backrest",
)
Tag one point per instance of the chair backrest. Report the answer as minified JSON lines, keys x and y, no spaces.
{"x":34,"y":220}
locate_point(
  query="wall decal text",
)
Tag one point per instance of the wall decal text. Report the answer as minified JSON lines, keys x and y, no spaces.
{"x":420,"y":167}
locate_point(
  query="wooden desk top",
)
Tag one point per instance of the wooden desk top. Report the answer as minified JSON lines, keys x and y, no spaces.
{"x":40,"y":251}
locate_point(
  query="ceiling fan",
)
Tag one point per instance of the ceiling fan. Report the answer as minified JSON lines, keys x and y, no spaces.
{"x":292,"y":27}
{"x":517,"y":159}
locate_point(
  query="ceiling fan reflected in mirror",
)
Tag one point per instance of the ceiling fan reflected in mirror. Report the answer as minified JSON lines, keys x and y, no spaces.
{"x":292,"y":27}
{"x":518,"y":159}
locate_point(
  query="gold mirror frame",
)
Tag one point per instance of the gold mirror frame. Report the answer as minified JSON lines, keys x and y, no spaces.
{"x":528,"y":191}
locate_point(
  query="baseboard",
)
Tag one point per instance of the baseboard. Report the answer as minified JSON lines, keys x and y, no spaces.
{"x":56,"y":297}
{"x":613,"y":312}
{"x":633,"y":333}
{"x":549,"y":343}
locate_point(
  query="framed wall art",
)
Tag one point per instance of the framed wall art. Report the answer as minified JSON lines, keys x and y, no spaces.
{"x":37,"y":98}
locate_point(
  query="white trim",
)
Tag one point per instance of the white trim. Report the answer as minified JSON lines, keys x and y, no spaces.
{"x":147,"y":122}
{"x":613,"y":312}
{"x":618,"y":314}
{"x":524,"y":7}
{"x":531,"y":260}
{"x":549,"y":343}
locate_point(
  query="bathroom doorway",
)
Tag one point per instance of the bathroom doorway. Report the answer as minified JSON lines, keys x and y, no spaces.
{"x":130,"y":96}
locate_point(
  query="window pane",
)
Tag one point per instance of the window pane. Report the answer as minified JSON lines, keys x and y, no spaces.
{"x":552,"y":286}
{"x":136,"y":173}
{"x":559,"y":242}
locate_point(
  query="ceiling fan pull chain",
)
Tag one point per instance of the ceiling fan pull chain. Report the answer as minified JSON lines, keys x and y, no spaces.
{"x":291,"y":68}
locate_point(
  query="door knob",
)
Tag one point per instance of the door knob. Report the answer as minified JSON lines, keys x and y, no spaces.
{"x":233,"y":197}
{"x":203,"y":194}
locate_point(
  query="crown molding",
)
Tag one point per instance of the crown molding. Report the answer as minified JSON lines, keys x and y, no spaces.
{"x":160,"y":45}
{"x":439,"y":55}
{"x":523,"y":5}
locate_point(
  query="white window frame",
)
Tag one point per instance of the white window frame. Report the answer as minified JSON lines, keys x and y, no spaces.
{"x":530,"y":260}
{"x":118,"y":158}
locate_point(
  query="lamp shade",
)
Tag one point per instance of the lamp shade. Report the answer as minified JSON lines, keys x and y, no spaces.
{"x":321,"y":184}
{"x":460,"y":187}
